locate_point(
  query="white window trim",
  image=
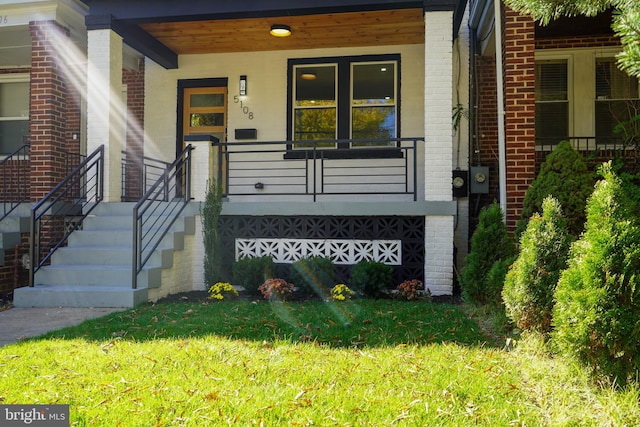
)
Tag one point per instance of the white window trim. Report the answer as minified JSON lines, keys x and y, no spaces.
{"x":395,"y":93}
{"x":556,"y":56}
{"x":14,"y":78}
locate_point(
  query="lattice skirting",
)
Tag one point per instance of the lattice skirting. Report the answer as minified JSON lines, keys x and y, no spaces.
{"x":349,"y":252}
{"x":398,"y":241}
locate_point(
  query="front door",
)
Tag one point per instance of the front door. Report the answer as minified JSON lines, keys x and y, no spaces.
{"x":205,"y":113}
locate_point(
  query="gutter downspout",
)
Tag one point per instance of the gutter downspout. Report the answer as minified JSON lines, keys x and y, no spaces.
{"x":502,"y":161}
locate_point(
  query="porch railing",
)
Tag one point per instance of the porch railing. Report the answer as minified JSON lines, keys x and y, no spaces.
{"x":139,"y":173}
{"x":318,"y":168}
{"x":158,"y":209}
{"x":594,"y":149}
{"x":64,"y":209}
{"x":16,"y":172}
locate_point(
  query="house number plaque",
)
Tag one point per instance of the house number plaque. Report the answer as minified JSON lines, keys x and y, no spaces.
{"x":244,"y":107}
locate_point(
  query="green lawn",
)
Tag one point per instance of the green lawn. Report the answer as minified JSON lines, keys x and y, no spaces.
{"x":360,"y":363}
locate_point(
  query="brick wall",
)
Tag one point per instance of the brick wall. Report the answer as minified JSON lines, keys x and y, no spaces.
{"x":134,"y":80}
{"x":578,"y":42}
{"x":519,"y":91}
{"x":48,"y":109}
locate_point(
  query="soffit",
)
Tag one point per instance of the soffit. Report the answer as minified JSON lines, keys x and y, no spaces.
{"x":367,"y":28}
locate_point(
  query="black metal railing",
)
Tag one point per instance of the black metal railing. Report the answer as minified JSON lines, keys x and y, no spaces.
{"x":16,"y":173}
{"x":595,"y":150}
{"x":64,"y":209}
{"x":158,"y":209}
{"x":139,"y":173}
{"x":316,"y":168}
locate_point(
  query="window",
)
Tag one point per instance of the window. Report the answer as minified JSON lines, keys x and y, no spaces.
{"x":346,"y":98}
{"x":617,"y":99}
{"x":552,"y":101}
{"x":14,"y":112}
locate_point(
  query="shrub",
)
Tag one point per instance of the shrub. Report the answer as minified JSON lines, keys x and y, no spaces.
{"x":251,"y":272}
{"x":563,"y":175}
{"x":313,"y":275}
{"x":372,"y":278}
{"x":409,"y":290}
{"x":210,"y":214}
{"x":341,"y":292}
{"x":489,"y":243}
{"x":276,"y":289}
{"x":597,"y":309}
{"x":530,"y":284}
{"x":222,"y":290}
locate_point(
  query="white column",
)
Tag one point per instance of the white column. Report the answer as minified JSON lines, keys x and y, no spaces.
{"x":202,"y":168}
{"x":438,"y":276}
{"x":106,"y":110}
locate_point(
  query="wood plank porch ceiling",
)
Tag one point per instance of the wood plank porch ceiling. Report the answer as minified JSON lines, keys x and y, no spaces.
{"x":373,"y":28}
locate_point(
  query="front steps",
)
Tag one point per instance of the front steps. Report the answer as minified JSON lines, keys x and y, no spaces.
{"x":94,"y":269}
{"x":11,"y":229}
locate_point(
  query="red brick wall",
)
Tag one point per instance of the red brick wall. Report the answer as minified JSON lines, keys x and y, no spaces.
{"x":48,"y":108}
{"x":577,"y":42}
{"x":134,"y":80}
{"x":519,"y":91}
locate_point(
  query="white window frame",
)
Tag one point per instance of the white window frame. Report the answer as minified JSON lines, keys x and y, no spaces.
{"x":14,"y":78}
{"x":395,"y":94}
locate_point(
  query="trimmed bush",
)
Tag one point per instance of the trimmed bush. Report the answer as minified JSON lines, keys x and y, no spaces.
{"x":597,"y":311}
{"x":530,"y":284}
{"x":372,"y":278}
{"x":563,"y":175}
{"x":489,"y":243}
{"x":250,"y":273}
{"x":314,"y":275}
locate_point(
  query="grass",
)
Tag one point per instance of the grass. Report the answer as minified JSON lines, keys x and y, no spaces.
{"x":361,"y":363}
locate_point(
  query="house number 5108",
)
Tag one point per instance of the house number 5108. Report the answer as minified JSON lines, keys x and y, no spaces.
{"x":243,"y":107}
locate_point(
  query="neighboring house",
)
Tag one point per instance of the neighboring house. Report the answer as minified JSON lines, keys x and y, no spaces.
{"x":559,"y":82}
{"x":334,"y":140}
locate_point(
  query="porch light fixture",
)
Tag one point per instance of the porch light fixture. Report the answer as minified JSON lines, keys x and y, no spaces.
{"x":243,"y":85}
{"x":279,"y":30}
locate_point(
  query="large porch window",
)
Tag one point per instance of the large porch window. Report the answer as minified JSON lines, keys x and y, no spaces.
{"x":345,"y":98}
{"x":552,"y":100}
{"x":14,"y":112}
{"x":617,"y":101}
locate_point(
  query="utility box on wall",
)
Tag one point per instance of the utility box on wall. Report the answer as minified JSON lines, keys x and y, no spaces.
{"x":479,"y":180}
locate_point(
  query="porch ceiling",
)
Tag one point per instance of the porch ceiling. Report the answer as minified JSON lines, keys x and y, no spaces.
{"x":367,"y":28}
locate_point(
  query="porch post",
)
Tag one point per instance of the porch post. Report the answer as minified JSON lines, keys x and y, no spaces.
{"x":438,"y":95}
{"x":105,"y":105}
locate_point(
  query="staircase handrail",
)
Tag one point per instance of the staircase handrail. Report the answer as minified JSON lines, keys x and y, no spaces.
{"x":158,"y":209}
{"x":75,"y":196}
{"x":21,"y":177}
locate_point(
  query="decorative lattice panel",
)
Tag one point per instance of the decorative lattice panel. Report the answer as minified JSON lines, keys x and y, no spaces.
{"x":302,"y":234}
{"x":349,"y":252}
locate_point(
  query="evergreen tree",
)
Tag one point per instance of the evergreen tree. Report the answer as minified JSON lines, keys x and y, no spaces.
{"x":597,"y":311}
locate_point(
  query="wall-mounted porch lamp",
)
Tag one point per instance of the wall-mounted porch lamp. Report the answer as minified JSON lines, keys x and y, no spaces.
{"x":279,"y":30}
{"x":243,"y":85}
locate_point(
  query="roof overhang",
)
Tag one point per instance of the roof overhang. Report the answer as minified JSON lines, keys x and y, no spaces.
{"x":164,"y":29}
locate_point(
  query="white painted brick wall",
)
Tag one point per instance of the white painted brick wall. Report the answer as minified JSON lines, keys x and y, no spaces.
{"x":105,"y":108}
{"x":438,"y":276}
{"x":438,"y":254}
{"x":438,"y":105}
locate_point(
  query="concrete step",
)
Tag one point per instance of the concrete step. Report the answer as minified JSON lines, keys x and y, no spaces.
{"x":79,"y":296}
{"x":15,"y":223}
{"x":109,"y":255}
{"x":97,"y":275}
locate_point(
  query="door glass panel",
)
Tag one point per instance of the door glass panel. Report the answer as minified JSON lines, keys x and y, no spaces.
{"x":206,"y":119}
{"x":207,"y":100}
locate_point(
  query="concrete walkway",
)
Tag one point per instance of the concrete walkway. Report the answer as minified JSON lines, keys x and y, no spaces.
{"x":20,"y":323}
